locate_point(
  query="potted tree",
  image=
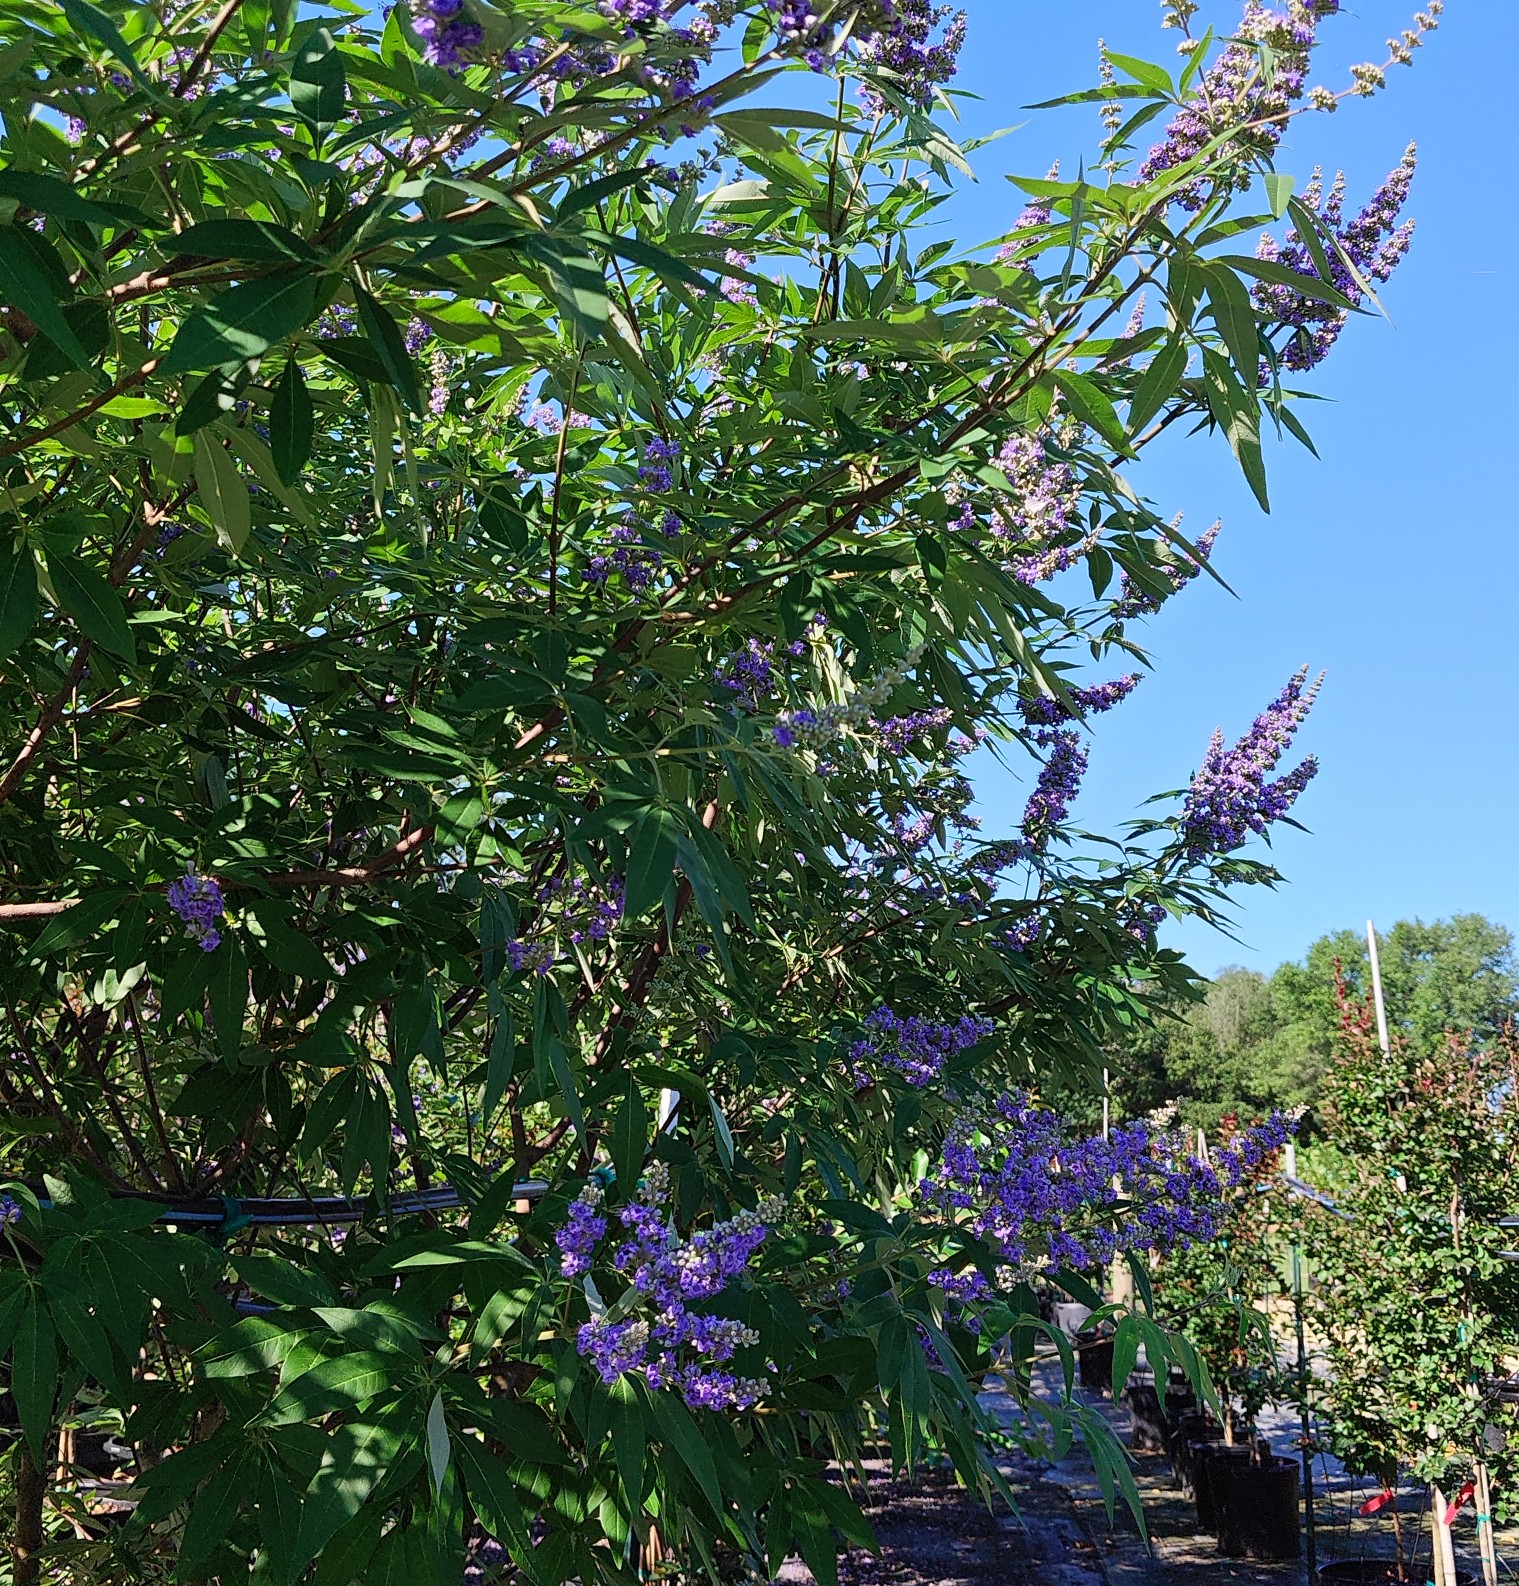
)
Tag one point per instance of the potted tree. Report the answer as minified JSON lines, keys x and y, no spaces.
{"x":1411,"y":1296}
{"x":1217,"y":1294}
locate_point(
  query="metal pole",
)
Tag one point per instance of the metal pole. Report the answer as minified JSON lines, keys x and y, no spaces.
{"x":1376,"y":988}
{"x":1309,"y":1529}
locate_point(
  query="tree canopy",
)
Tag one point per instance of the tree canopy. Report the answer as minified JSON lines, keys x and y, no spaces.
{"x":517,"y":1052}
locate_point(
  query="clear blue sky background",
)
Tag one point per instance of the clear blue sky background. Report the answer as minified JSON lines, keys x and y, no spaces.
{"x":1392,"y":561}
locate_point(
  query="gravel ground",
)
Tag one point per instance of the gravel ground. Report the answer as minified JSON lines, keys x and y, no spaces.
{"x":934,"y":1534}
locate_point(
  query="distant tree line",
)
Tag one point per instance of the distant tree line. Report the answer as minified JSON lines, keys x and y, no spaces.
{"x":1250,"y":1041}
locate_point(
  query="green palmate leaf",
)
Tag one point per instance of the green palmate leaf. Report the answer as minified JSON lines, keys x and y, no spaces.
{"x":34,"y":1375}
{"x":359,"y":1456}
{"x":386,"y":339}
{"x":318,"y":85}
{"x":90,"y":600}
{"x":243,"y":323}
{"x":31,"y":277}
{"x":222,"y":492}
{"x":18,"y":595}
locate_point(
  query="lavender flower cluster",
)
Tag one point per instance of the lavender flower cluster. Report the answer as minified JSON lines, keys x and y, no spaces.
{"x":582,"y":910}
{"x":653,"y":1328}
{"x":447,"y":31}
{"x":1231,"y":794}
{"x":1055,"y":790}
{"x":1371,"y":246}
{"x":197,"y":900}
{"x":1012,"y":1176}
{"x":1045,"y":711}
{"x":914,"y":1047}
{"x":903,"y":44}
{"x":1248,"y":91}
{"x":1136,"y":602}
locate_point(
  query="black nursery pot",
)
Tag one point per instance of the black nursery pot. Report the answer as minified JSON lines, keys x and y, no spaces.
{"x":100,"y":1453}
{"x":1259,"y":1515}
{"x":1378,"y":1572}
{"x":1147,"y":1434}
{"x":1196,"y":1426}
{"x":1213,"y":1464}
{"x":1094,"y":1362}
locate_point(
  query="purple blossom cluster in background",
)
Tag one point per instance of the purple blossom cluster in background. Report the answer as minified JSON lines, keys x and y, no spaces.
{"x":584,"y":911}
{"x":653,"y":1329}
{"x":749,"y":672}
{"x":1035,"y":215}
{"x":197,"y":900}
{"x":1044,"y":711}
{"x":1371,"y":246}
{"x":903,"y":44}
{"x":1231,"y":794}
{"x":659,"y":457}
{"x":1012,"y":1176}
{"x":898,"y":734}
{"x":1248,"y":91}
{"x":1136,"y":602}
{"x":630,"y":558}
{"x":10,"y":1211}
{"x":914,"y":1047}
{"x":447,"y":32}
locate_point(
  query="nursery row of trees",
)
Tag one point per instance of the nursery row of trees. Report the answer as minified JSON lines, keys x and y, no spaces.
{"x":1408,"y":1295}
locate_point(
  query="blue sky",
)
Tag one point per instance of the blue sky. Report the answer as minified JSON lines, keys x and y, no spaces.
{"x":1392,"y":561}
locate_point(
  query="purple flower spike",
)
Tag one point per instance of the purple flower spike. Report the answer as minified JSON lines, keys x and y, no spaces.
{"x":1230,"y":796}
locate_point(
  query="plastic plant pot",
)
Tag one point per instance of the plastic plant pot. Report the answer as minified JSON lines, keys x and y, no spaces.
{"x":1147,"y":1433}
{"x":1094,"y":1359}
{"x":1258,"y":1510}
{"x":1380,"y":1572}
{"x":1212,"y":1466}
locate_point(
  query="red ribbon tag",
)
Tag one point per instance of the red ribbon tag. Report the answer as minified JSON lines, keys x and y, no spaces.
{"x":1372,"y":1505}
{"x":1463,"y":1498}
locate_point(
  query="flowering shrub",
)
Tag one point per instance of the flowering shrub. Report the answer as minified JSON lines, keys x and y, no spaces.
{"x":1420,"y":1160}
{"x":509,"y":542}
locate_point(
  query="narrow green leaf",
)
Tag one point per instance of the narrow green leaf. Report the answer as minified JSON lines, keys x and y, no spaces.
{"x":651,"y":861}
{"x":251,"y":241}
{"x":34,"y":1376}
{"x":680,"y":1432}
{"x":24,"y":284}
{"x":227,"y":990}
{"x":90,"y":19}
{"x":222,"y":492}
{"x":243,"y":323}
{"x":1278,"y":192}
{"x":1157,"y":385}
{"x":18,"y":594}
{"x":630,"y":1135}
{"x":88,"y":598}
{"x":386,"y":339}
{"x":439,"y":1449}
{"x":1234,"y":314}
